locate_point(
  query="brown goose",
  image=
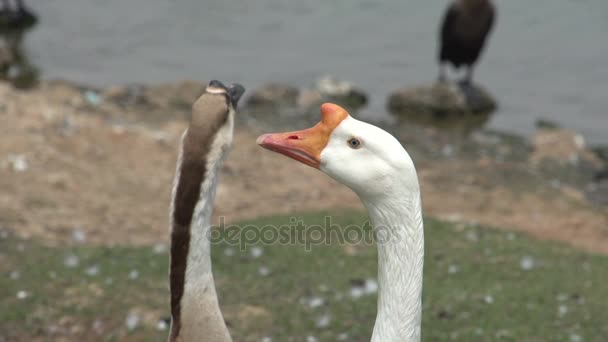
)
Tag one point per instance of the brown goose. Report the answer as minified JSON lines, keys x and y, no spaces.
{"x":465,"y":28}
{"x":195,"y":311}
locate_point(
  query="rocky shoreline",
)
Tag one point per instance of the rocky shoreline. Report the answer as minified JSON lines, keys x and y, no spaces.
{"x":101,"y":162}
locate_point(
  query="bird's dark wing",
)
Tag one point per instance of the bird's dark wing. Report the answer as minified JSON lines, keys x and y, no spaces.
{"x":445,"y":34}
{"x":448,"y":21}
{"x":490,"y":22}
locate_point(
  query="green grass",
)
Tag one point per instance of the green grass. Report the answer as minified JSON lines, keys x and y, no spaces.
{"x":474,"y":289}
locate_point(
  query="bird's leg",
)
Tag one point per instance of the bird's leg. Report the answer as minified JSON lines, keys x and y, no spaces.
{"x":468,"y":78}
{"x":441,"y":78}
{"x":20,"y":5}
{"x":5,"y":6}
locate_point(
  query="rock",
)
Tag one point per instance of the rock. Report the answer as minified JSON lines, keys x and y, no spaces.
{"x":546,"y":124}
{"x":579,"y":171}
{"x":18,"y":162}
{"x":15,"y":65}
{"x":340,"y":92}
{"x":179,"y":95}
{"x":601,"y":152}
{"x":441,"y":100}
{"x":6,"y":59}
{"x":563,"y":146}
{"x":92,"y":97}
{"x":126,"y":95}
{"x":326,"y":89}
{"x":276,"y":106}
{"x":598,"y":193}
{"x":309,"y":98}
{"x":274,"y":95}
{"x":65,"y":92}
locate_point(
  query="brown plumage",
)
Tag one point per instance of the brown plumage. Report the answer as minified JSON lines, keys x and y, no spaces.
{"x":194,"y":307}
{"x":464,"y":30}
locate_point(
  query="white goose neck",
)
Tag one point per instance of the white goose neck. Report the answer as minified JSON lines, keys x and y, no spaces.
{"x":397,"y":221}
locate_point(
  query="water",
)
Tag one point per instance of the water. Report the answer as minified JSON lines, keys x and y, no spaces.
{"x":547,"y":59}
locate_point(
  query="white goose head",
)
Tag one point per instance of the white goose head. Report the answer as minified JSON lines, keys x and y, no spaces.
{"x":361,"y":156}
{"x":373,"y":164}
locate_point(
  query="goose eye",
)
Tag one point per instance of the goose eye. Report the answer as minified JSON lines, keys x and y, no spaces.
{"x":354,"y":143}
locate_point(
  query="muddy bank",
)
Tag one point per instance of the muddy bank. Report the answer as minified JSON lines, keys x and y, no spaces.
{"x":97,"y":165}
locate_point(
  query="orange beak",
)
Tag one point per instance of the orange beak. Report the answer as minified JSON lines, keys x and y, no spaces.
{"x":306,"y":145}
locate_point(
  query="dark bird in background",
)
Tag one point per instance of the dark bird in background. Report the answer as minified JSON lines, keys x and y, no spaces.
{"x":18,"y":16}
{"x":464,"y":30}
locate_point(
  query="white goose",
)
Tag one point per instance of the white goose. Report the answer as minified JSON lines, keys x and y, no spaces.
{"x":377,"y":168}
{"x":195,"y":312}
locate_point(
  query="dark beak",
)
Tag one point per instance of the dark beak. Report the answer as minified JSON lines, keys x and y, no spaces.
{"x":235,"y":92}
{"x":217,"y":84}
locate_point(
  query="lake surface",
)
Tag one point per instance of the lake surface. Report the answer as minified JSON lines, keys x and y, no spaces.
{"x":546,"y":59}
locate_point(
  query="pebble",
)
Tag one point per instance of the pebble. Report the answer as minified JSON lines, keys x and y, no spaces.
{"x":132,"y":321}
{"x":371,"y":286}
{"x":98,"y":326}
{"x":502,"y":334}
{"x":367,"y":287}
{"x":311,"y":338}
{"x":22,"y":295}
{"x":342,"y":337}
{"x":53,"y":329}
{"x":134,"y":274}
{"x":263,"y":271}
{"x":119,"y":129}
{"x":587,"y":267}
{"x":14,"y":275}
{"x":488,"y":299}
{"x":447,"y":150}
{"x":18,"y":162}
{"x":92,"y":271}
{"x":71,"y":261}
{"x":256,"y":252}
{"x":229,"y":252}
{"x":92,"y":97}
{"x":527,"y":263}
{"x":161,"y":137}
{"x":579,"y":140}
{"x":356,"y":292}
{"x":161,"y":325}
{"x":472,"y":235}
{"x":266,"y":339}
{"x":323,"y":321}
{"x":313,"y":302}
{"x":160,"y":248}
{"x":453,"y":269}
{"x":79,"y":235}
{"x":562,"y":310}
{"x":328,"y":85}
{"x":576,"y":338}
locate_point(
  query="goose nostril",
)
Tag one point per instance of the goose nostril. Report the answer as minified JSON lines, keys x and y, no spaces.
{"x":293,"y":137}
